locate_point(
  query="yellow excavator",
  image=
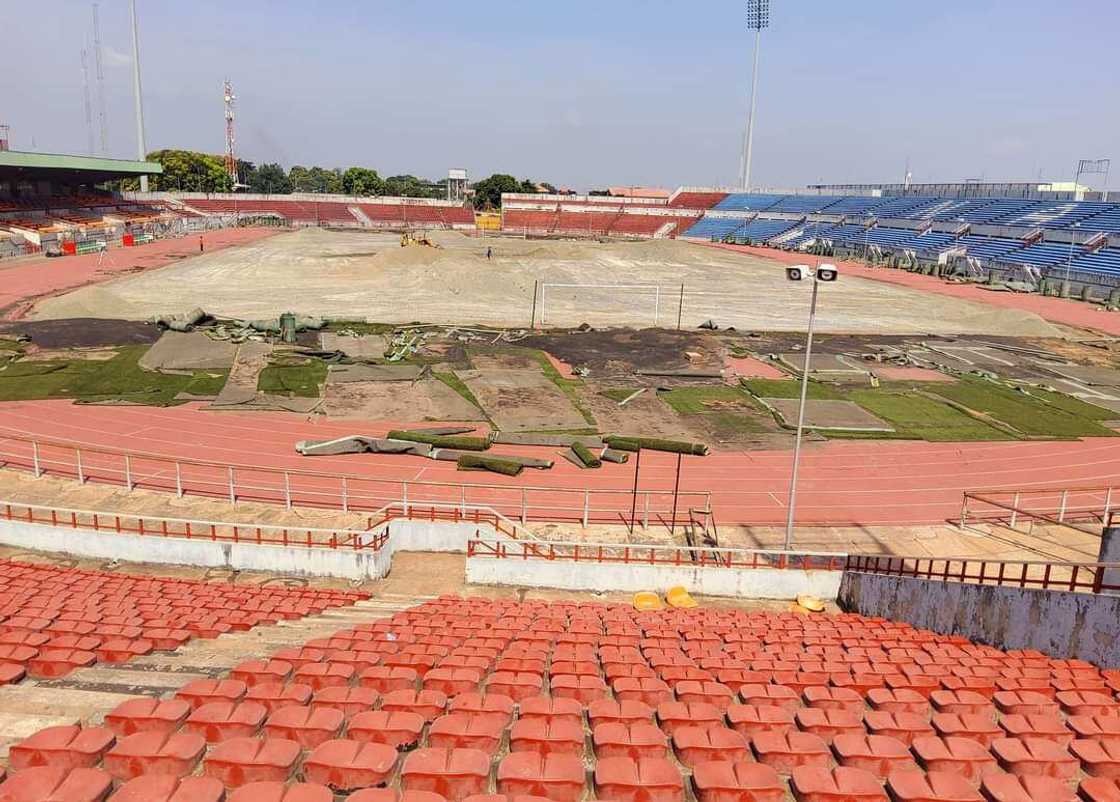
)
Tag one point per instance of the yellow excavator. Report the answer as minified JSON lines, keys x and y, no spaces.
{"x":416,"y":238}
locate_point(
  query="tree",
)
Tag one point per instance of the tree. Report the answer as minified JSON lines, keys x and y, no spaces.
{"x":186,"y":171}
{"x":315,"y":179}
{"x":362,"y":181}
{"x":269,"y":179}
{"x":488,"y":191}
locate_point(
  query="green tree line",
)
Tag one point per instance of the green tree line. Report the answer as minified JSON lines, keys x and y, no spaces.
{"x":191,"y":171}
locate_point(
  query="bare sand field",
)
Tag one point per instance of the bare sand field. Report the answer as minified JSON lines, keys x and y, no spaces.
{"x":366,"y":275}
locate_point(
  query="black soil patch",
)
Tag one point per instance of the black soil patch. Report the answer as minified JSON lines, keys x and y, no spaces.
{"x":625,"y":350}
{"x":83,"y":332}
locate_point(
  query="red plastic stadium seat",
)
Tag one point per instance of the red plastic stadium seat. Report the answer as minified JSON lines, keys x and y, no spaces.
{"x":1088,"y":703}
{"x":961,"y":756}
{"x":147,"y":715}
{"x":898,"y":700}
{"x":346,"y":765}
{"x":877,"y":754}
{"x":1011,"y":788}
{"x":671,"y":715}
{"x":643,"y":780}
{"x":491,"y":706}
{"x":154,"y":753}
{"x":396,"y":729}
{"x":611,"y":711}
{"x":934,"y":786}
{"x":555,"y":776}
{"x":829,"y":723}
{"x":830,"y":698}
{"x":350,"y":701}
{"x":1099,"y":789}
{"x":633,"y":740}
{"x":1024,"y":702}
{"x":961,"y":701}
{"x":1095,"y":728}
{"x":647,"y":690}
{"x":1050,"y":727}
{"x":240,"y":761}
{"x":307,"y":726}
{"x":979,"y":728}
{"x":281,"y":792}
{"x":466,"y":731}
{"x":903,"y":726}
{"x":737,"y":782}
{"x":1098,"y":758}
{"x":771,"y":696}
{"x":751,"y":719}
{"x":1034,"y":756}
{"x":169,"y":788}
{"x":220,"y":721}
{"x":543,"y":707}
{"x":66,"y":746}
{"x":695,"y":745}
{"x":819,"y":784}
{"x":546,"y":736}
{"x":516,"y":685}
{"x":204,"y":691}
{"x":453,"y":773}
{"x":583,"y":688}
{"x":783,"y":751}
{"x":393,"y":795}
{"x":56,"y":784}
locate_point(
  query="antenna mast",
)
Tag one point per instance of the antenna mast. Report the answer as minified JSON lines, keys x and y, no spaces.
{"x":231,"y":159}
{"x":97,"y":60}
{"x":85,"y":98}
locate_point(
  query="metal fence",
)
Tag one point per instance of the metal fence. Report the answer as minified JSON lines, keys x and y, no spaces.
{"x":1077,"y":577}
{"x":1083,"y":508}
{"x":154,"y":526}
{"x":347,"y":493}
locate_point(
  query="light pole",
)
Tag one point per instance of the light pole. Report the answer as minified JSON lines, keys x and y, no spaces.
{"x":758,"y":17}
{"x":825,"y":272}
{"x":1065,"y":292}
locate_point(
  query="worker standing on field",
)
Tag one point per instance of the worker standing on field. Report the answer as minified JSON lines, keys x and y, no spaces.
{"x":200,"y":243}
{"x":487,"y":253}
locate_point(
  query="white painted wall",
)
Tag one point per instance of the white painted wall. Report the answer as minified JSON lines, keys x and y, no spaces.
{"x":754,"y":583}
{"x":295,"y":560}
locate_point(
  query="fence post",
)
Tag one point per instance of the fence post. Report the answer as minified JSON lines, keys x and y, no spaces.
{"x":964,"y":510}
{"x":345,"y":495}
{"x":128,"y":472}
{"x":78,"y":462}
{"x":1062,"y":509}
{"x":645,"y":514}
{"x":586,"y":505}
{"x":287,"y":491}
{"x":35,"y":458}
{"x":525,"y":506}
{"x":232,"y":493}
{"x":462,"y":499}
{"x":1014,"y":510}
{"x":1107,"y":506}
{"x":404,"y":496}
{"x":178,"y":480}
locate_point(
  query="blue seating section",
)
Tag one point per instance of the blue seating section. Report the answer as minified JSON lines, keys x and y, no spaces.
{"x":746,"y":202}
{"x":843,"y":233}
{"x":854,"y":205}
{"x":1108,"y":220}
{"x":1106,"y":262}
{"x":759,"y":230}
{"x":988,"y":247}
{"x":1051,"y":215}
{"x":714,"y":227}
{"x":996,"y":209}
{"x":807,"y":232}
{"x":805,"y":204}
{"x":1042,"y":254}
{"x":947,"y":209}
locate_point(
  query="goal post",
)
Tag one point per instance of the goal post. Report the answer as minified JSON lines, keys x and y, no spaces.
{"x":570,"y":304}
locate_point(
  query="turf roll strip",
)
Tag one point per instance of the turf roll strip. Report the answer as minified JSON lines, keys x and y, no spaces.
{"x":441,"y":441}
{"x":586,"y":456}
{"x":628,"y":443}
{"x":495,"y":464}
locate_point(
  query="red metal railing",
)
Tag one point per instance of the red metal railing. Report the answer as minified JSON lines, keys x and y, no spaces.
{"x":449,"y":514}
{"x":1077,"y":577}
{"x":1067,"y":506}
{"x":152,"y":526}
{"x":630,"y":554}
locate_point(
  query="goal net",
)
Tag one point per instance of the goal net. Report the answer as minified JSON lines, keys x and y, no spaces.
{"x":562,"y":305}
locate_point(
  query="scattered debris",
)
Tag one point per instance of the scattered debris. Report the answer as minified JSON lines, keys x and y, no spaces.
{"x":615,"y":456}
{"x":476,"y":462}
{"x":441,"y":441}
{"x":360,"y":444}
{"x":631,"y":397}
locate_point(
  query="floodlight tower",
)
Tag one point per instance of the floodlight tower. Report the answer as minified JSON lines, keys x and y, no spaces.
{"x":141,"y":147}
{"x":231,"y":159}
{"x":758,"y":17}
{"x":102,"y":117}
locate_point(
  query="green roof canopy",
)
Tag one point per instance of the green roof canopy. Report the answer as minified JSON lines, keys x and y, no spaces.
{"x":21,"y":166}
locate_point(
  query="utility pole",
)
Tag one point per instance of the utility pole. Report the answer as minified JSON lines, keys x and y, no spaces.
{"x":102,"y":117}
{"x":231,"y":159}
{"x":758,"y":17}
{"x":141,"y":148}
{"x":85,"y":98}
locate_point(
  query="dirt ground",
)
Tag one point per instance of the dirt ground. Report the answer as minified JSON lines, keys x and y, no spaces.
{"x":368,"y":275}
{"x":426,"y":399}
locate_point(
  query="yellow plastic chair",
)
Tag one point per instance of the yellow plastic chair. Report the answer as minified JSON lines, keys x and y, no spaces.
{"x":678,"y":597}
{"x":811,"y":603}
{"x":646,"y":600}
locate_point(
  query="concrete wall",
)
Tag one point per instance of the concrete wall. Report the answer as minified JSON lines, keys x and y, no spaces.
{"x":755,"y":583}
{"x":1059,"y":623}
{"x":300,"y":561}
{"x":406,"y":535}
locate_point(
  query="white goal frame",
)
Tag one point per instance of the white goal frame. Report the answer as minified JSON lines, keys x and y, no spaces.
{"x":655,"y":289}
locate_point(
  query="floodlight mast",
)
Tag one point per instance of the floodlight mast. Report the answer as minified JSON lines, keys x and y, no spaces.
{"x":758,"y":17}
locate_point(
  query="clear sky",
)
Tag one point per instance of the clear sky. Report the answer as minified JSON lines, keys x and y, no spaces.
{"x":588,"y":93}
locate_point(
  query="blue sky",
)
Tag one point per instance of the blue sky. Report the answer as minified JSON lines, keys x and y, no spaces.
{"x":590,"y":92}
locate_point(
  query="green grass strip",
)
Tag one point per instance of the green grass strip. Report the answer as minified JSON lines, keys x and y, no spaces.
{"x":495,"y":464}
{"x":630,"y":443}
{"x":586,"y":456}
{"x":458,"y":442}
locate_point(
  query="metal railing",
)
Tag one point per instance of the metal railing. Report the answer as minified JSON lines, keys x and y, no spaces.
{"x":1082,"y":508}
{"x":450,"y":513}
{"x":658,"y":555}
{"x":344,"y":492}
{"x":154,"y":526}
{"x":1077,"y":577}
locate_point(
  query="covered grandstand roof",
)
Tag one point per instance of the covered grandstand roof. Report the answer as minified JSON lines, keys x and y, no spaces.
{"x":19,"y":165}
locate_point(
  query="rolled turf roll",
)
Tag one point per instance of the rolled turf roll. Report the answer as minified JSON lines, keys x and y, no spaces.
{"x":442,"y":441}
{"x":495,"y":464}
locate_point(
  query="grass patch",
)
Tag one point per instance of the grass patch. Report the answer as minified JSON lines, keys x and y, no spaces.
{"x":569,"y":387}
{"x":456,"y":384}
{"x":1033,"y":415}
{"x":726,"y":410}
{"x":295,"y":379}
{"x":119,"y":378}
{"x":618,"y":394}
{"x":915,"y":417}
{"x":791,"y":388}
{"x":359,"y":327}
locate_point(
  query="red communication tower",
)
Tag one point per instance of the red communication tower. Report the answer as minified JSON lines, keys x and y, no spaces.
{"x":231,"y":159}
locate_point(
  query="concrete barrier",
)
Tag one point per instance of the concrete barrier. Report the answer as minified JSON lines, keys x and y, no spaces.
{"x":292,"y":560}
{"x":754,"y":583}
{"x":1059,"y":623}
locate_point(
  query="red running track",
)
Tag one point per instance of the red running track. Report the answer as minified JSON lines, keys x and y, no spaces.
{"x":841,"y":482}
{"x":27,"y":280}
{"x":1057,"y":310}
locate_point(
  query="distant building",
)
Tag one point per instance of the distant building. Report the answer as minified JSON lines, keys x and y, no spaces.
{"x":655,"y":193}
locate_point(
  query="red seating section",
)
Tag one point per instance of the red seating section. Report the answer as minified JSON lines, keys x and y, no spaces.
{"x":696,"y":200}
{"x":500,"y":701}
{"x":336,"y":211}
{"x":54,"y":620}
{"x":593,"y":221}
